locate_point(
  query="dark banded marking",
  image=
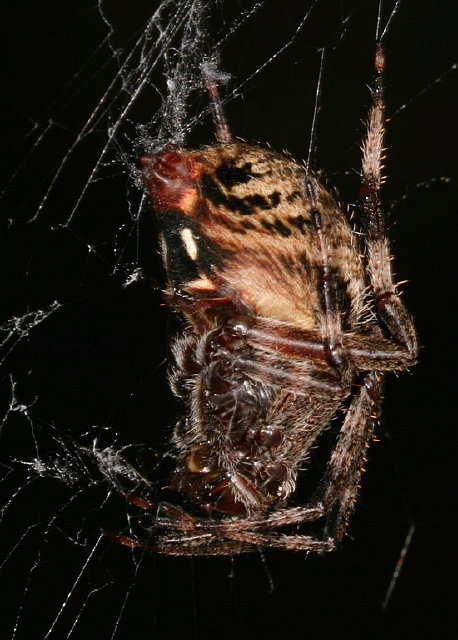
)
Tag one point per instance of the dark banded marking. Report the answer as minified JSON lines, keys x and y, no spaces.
{"x":300,"y":222}
{"x":275,"y":198}
{"x":303,"y":259}
{"x":229,"y":175}
{"x":245,"y":206}
{"x":294,"y":195}
{"x":277,"y":227}
{"x":234,"y":227}
{"x":289,"y":263}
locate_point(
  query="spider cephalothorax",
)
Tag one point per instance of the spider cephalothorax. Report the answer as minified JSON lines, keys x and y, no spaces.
{"x":290,"y":320}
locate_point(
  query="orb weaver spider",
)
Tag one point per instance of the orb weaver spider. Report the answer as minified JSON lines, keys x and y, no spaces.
{"x":292,"y":317}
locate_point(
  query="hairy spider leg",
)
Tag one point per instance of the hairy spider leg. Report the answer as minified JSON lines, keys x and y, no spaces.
{"x":389,"y":306}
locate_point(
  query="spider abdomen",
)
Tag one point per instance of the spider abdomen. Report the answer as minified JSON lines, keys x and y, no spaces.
{"x":237,"y":221}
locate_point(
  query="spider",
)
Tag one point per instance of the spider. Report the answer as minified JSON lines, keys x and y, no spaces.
{"x":289,"y":322}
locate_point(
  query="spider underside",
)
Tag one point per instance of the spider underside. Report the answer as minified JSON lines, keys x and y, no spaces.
{"x":290,"y":320}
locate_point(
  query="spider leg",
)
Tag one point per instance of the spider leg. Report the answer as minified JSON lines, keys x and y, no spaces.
{"x":388,"y":304}
{"x":340,"y":484}
{"x":328,"y":286}
{"x":176,"y":519}
{"x":291,"y":542}
{"x":200,"y":543}
{"x":237,"y":541}
{"x":364,"y":351}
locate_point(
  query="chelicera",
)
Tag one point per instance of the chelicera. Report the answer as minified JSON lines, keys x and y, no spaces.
{"x":291,"y":317}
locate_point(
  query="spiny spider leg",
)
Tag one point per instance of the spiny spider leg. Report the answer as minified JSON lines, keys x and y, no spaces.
{"x":341,"y":482}
{"x":364,"y":351}
{"x":389,"y":306}
{"x":328,"y":287}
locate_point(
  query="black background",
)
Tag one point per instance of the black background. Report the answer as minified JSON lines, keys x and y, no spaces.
{"x":100,"y":359}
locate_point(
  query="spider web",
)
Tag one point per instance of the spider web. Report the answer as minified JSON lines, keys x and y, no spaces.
{"x":87,"y":414}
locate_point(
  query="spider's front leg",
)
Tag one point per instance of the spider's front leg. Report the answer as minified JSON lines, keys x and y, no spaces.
{"x":391,"y":311}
